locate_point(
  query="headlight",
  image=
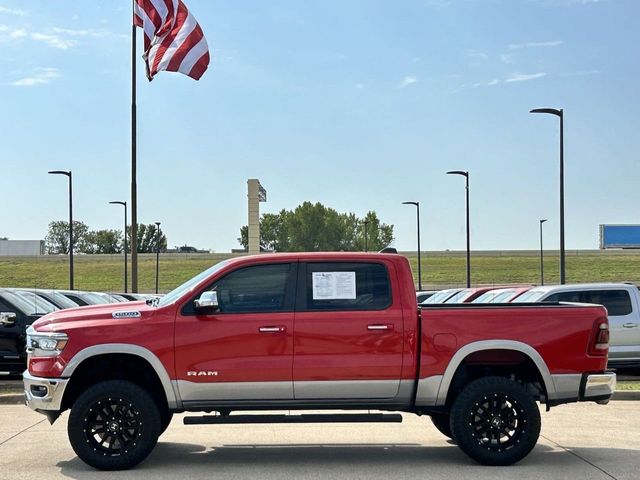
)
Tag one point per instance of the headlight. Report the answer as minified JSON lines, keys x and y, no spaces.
{"x":45,"y":344}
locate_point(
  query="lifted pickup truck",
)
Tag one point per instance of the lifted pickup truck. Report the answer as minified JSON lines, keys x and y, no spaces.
{"x":312,"y":331}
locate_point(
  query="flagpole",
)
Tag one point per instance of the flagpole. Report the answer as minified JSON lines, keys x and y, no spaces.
{"x":134,"y":187}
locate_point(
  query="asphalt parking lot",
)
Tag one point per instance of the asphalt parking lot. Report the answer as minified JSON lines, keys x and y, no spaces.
{"x":585,"y":441}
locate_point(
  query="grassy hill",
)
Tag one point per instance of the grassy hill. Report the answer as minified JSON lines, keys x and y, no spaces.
{"x":439,"y":269}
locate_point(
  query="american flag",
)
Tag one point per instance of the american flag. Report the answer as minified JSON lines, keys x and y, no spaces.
{"x":173,"y":40}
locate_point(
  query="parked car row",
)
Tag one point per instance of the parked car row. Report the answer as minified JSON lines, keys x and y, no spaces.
{"x":622,"y":301}
{"x":20,"y":307}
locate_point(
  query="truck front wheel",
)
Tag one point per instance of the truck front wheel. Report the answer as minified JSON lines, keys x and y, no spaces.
{"x":495,"y":421}
{"x":114,"y":425}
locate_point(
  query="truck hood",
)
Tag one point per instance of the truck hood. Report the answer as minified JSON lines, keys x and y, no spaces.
{"x":113,"y":311}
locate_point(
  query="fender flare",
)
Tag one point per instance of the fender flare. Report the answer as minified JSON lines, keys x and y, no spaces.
{"x":483,"y":345}
{"x":173,"y":398}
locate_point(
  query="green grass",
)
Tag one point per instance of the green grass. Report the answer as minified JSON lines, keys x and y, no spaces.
{"x":439,"y":269}
{"x":628,"y":386}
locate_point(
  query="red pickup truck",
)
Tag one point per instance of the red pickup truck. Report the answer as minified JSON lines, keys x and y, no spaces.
{"x":312,"y":331}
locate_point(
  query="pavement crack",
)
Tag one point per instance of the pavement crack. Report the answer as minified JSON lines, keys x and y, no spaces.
{"x":22,"y":431}
{"x":568,"y":450}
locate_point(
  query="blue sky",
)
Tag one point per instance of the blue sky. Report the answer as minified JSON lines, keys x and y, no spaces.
{"x":359,"y":105}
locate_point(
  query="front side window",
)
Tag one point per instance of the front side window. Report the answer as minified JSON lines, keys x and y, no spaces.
{"x":261,"y":288}
{"x":347,"y":286}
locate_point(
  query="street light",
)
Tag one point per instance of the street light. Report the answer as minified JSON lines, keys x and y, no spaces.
{"x":124,"y":204}
{"x":541,"y":254}
{"x":366,"y":237}
{"x":465,"y":174}
{"x":157,"y":253}
{"x":417,"y":204}
{"x":559,"y":114}
{"x":68,"y":174}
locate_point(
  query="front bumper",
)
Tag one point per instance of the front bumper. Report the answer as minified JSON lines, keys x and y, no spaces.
{"x":43,"y":394}
{"x":598,"y":387}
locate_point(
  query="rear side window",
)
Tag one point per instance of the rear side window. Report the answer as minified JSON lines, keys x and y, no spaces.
{"x":347,"y":286}
{"x":617,"y":302}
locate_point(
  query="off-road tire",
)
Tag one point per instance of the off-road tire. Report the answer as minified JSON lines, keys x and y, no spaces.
{"x":495,"y":421}
{"x":114,"y":425}
{"x":442,"y":423}
{"x":165,"y":421}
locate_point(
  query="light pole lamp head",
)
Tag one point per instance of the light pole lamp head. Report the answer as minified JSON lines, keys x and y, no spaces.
{"x":542,"y":220}
{"x":550,"y":111}
{"x":464,"y":173}
{"x":411,"y":203}
{"x":60,"y":172}
{"x":124,"y":204}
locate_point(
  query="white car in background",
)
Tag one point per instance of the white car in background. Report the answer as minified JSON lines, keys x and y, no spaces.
{"x":622,"y":301}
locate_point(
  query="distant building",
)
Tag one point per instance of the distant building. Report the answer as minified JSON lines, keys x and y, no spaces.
{"x":21,"y":247}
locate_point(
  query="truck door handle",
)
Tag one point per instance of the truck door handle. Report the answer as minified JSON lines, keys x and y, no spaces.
{"x":274,"y":329}
{"x":630,"y":325}
{"x":379,"y":327}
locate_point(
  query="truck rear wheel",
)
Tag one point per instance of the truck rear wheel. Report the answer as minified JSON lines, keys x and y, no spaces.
{"x":495,"y":421}
{"x":114,"y":425}
{"x":442,"y":422}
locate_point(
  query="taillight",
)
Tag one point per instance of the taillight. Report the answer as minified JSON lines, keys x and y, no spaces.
{"x":600,"y":339}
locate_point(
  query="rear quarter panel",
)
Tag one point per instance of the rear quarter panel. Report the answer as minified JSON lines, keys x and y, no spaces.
{"x":560,"y":334}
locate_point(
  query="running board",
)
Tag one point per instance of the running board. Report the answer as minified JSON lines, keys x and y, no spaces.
{"x":308,"y":418}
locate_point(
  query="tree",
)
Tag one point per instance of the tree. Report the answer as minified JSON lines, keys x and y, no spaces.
{"x":57,"y":239}
{"x":148,"y":238}
{"x":106,"y":241}
{"x":314,"y":227}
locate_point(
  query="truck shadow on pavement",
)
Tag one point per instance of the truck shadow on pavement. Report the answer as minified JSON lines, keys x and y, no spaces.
{"x":170,"y":460}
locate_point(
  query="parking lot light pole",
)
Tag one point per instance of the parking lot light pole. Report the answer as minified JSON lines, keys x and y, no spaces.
{"x":541,"y":253}
{"x":124,"y":204}
{"x":366,"y":236}
{"x":157,"y":254}
{"x":417,"y":204}
{"x":465,"y":174}
{"x":559,"y":114}
{"x":68,"y":174}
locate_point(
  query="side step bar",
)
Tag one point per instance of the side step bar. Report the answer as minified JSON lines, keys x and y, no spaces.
{"x":304,"y":418}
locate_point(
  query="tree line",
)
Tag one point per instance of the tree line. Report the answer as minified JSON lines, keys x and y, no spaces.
{"x":313,"y":227}
{"x":101,"y":241}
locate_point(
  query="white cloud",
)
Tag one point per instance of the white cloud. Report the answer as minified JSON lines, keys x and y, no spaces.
{"x":506,"y":58}
{"x":554,"y":43}
{"x":19,"y":33}
{"x":54,"y":41}
{"x":40,"y":76}
{"x":477,"y":55}
{"x":14,"y":11}
{"x":408,"y":80}
{"x":581,"y":73}
{"x":523,"y":77}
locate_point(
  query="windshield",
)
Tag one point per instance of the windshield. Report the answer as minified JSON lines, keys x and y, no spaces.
{"x":461,"y":296}
{"x":503,"y":297}
{"x":487,"y":296}
{"x":38,"y":304}
{"x":440,"y":296}
{"x":60,"y":299}
{"x":20,"y":303}
{"x":531,"y":296}
{"x":178,"y":292}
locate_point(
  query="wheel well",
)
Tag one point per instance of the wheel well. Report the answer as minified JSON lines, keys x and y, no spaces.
{"x":115,"y":366}
{"x":512,"y":364}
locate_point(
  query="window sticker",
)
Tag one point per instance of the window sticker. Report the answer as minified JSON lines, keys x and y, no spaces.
{"x":334,"y":285}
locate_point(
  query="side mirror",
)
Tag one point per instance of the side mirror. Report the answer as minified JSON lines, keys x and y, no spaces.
{"x":207,"y":303}
{"x":7,"y":319}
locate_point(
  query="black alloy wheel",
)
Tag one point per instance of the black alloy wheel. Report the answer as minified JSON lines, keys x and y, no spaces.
{"x":495,"y":421}
{"x":114,"y":425}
